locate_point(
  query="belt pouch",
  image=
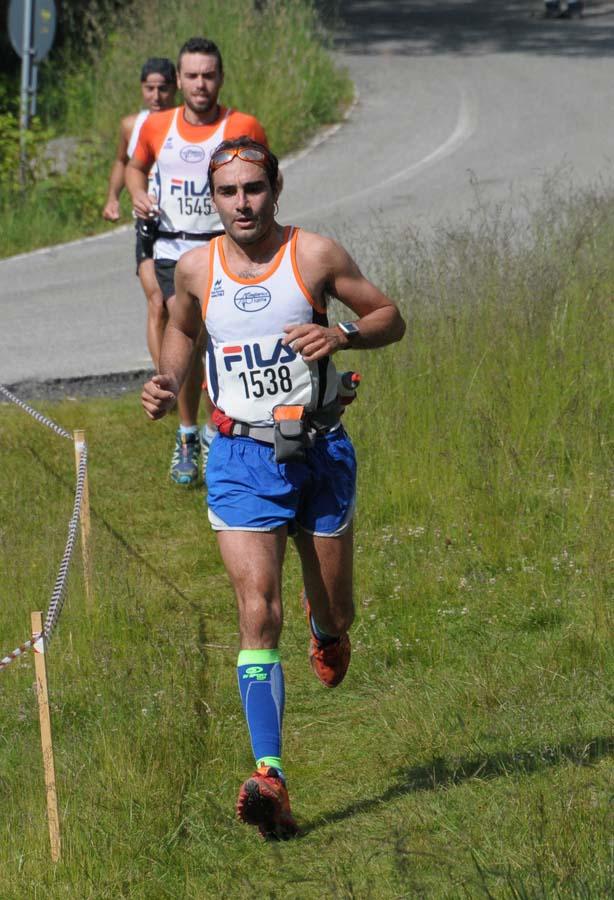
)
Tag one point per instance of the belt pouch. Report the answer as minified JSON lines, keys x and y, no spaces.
{"x":148,"y":228}
{"x":290,"y":434}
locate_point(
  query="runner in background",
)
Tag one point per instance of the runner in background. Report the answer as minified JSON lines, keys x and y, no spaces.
{"x":573,"y":9}
{"x":158,"y":87}
{"x":180,"y":143}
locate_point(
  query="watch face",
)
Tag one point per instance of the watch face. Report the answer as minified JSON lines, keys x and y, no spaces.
{"x":349,"y":328}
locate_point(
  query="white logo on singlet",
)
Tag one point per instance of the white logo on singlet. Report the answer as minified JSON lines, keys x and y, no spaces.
{"x":192,"y":153}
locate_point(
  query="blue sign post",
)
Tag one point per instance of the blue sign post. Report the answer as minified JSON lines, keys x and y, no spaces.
{"x":31,"y":30}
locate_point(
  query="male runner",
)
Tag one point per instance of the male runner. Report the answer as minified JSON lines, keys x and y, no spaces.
{"x":180,"y":142}
{"x":282,"y":463}
{"x":158,"y":87}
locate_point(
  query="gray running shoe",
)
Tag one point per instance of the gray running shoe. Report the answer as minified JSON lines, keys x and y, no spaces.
{"x":186,"y":457}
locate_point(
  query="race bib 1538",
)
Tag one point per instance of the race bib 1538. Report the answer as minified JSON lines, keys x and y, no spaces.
{"x":254,"y":376}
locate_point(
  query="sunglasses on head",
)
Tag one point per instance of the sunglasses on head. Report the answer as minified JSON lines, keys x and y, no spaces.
{"x":249,"y":154}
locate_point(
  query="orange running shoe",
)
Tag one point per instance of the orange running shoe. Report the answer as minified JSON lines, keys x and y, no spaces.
{"x":263,"y":801}
{"x":329,"y":661}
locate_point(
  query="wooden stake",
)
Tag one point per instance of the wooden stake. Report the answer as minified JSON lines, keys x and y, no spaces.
{"x":42,"y":694}
{"x":79,"y":438}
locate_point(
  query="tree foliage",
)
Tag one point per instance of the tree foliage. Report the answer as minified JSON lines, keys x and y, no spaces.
{"x":82,"y":27}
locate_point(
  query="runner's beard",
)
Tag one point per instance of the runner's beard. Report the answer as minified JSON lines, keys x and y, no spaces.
{"x":210,"y":104}
{"x":253,"y":236}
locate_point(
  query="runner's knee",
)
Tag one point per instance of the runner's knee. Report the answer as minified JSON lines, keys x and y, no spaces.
{"x":260,"y":618}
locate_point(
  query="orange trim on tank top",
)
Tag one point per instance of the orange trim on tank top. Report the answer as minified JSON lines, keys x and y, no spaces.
{"x":210,"y":278}
{"x":297,"y":274}
{"x":270,"y":271}
{"x":196,"y":134}
{"x":154,"y":130}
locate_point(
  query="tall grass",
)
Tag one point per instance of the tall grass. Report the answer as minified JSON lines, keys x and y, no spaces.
{"x":277,"y":68}
{"x":469,"y":751}
{"x":275,"y":62}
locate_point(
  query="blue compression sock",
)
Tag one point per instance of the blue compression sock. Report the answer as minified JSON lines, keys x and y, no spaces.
{"x":261,"y":683}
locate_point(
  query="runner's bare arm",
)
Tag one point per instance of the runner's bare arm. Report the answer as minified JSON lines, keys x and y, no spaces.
{"x":111,"y":210}
{"x":136,"y":182}
{"x":327,"y":268}
{"x":181,"y":335}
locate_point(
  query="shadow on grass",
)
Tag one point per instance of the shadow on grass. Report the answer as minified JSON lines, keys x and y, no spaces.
{"x":441,"y":773}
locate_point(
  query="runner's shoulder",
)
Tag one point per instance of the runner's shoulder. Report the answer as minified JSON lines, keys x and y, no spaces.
{"x":318,"y":252}
{"x":156,"y":121}
{"x":192,"y":270}
{"x":240,"y":124}
{"x":128,"y":123}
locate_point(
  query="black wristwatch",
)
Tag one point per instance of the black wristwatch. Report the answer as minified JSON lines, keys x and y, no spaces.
{"x":350,"y":329}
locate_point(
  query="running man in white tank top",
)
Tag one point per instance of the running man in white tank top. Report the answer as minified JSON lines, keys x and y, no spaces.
{"x":180,"y":142}
{"x":281,"y":463}
{"x":158,"y":88}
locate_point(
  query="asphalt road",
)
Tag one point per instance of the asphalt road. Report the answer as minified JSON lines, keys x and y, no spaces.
{"x":448,"y":92}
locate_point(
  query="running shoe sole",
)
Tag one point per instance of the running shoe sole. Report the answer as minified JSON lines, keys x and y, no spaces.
{"x":258,"y":805}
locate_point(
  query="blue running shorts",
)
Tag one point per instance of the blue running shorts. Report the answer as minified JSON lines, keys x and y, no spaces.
{"x":248,"y":491}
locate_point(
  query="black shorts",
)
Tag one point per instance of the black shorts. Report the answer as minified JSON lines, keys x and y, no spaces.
{"x":144,"y":248}
{"x":165,"y":273}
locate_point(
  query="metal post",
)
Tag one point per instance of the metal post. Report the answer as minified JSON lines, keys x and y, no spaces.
{"x":33,"y":89}
{"x":26,"y":64}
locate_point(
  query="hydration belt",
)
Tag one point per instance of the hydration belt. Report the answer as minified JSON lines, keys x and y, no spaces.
{"x":188,"y":235}
{"x":319,"y":420}
{"x":294,"y":430}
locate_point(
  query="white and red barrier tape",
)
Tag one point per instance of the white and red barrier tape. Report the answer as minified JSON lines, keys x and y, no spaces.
{"x":35,"y":415}
{"x":59,"y":591}
{"x":19,"y":651}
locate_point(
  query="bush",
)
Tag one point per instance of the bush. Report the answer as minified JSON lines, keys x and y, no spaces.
{"x":35,"y":140}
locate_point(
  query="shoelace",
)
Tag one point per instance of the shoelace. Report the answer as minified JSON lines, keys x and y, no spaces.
{"x":187,"y":454}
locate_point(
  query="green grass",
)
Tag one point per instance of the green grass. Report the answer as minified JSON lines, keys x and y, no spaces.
{"x":277,"y":68}
{"x":469,"y":751}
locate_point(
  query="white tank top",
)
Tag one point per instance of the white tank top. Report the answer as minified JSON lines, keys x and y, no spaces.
{"x":134,"y":136}
{"x":183,"y":190}
{"x":249,"y":370}
{"x":136,"y":130}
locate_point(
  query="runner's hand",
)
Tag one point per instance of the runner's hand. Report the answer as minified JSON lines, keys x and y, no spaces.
{"x":159,"y":395}
{"x":144,"y":206}
{"x":111,"y":211}
{"x":314,"y":341}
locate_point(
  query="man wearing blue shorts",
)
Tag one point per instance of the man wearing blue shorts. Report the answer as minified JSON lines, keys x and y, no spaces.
{"x":281,"y":463}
